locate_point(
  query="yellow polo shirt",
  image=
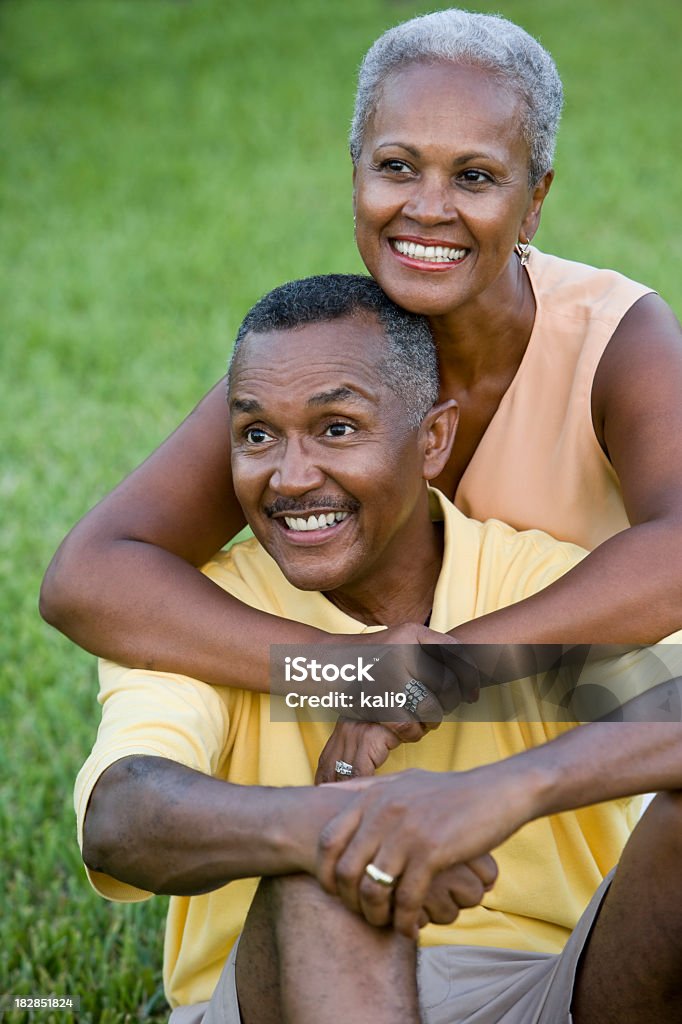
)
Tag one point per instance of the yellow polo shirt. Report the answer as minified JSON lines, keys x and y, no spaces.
{"x":548,"y":870}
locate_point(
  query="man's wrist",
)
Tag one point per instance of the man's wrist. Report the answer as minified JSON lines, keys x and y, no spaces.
{"x":526,"y":785}
{"x":305,"y":811}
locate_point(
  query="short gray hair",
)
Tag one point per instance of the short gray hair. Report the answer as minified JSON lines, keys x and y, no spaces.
{"x":409,"y":367}
{"x":484,"y":40}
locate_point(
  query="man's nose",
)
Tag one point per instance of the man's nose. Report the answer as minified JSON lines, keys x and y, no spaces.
{"x":297,"y":471}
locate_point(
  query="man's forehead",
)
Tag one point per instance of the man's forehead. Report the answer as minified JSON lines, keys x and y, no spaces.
{"x":337,"y":360}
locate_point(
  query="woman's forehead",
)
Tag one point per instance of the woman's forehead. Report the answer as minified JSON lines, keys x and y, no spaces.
{"x":444,"y":88}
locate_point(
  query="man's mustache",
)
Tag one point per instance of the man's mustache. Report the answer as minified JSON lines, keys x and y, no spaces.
{"x":334,"y":503}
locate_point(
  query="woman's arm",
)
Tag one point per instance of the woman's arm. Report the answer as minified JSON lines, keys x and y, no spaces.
{"x":629,"y":589}
{"x":124,"y":585}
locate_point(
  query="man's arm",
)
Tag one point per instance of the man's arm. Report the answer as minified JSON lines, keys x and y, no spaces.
{"x":166,"y":828}
{"x":413,"y":825}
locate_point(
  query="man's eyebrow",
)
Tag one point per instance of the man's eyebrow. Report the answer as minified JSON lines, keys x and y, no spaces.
{"x":342,"y":394}
{"x":245,"y":405}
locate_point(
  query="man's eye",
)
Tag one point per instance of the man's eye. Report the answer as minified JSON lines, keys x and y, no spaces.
{"x":256,"y":435}
{"x":339,"y":430}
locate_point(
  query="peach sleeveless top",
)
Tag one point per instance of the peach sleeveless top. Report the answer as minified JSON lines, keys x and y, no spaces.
{"x":539,"y":464}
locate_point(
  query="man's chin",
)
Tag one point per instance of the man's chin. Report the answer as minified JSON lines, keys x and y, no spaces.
{"x":320,"y":567}
{"x":310,"y":579}
{"x":315,"y":573}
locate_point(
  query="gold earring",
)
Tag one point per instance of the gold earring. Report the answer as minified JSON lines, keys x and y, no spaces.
{"x":522,"y":250}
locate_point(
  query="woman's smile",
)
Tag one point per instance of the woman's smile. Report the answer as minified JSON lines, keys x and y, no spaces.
{"x":424,"y":254}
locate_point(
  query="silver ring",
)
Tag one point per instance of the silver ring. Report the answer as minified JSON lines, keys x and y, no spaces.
{"x":343,"y":768}
{"x":382,"y":877}
{"x":416,"y":692}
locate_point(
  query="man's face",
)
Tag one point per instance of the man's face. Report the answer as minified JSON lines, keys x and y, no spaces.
{"x":326,"y":468}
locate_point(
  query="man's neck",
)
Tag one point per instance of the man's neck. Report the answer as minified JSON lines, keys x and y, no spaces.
{"x":403,"y":590}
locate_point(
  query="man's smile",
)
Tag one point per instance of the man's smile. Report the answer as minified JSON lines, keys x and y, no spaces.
{"x":321,"y":522}
{"x":312,"y":529}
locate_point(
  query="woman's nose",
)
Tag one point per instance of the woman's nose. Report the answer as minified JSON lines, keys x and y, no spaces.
{"x":430,"y":202}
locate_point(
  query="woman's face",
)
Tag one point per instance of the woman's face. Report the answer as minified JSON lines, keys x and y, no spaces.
{"x":441,"y":186}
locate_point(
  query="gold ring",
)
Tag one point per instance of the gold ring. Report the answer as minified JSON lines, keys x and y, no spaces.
{"x":382,"y":877}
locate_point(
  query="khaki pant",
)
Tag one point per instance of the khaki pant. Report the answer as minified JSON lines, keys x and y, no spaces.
{"x":460,"y":984}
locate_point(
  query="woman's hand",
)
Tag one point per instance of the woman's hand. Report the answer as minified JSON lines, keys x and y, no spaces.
{"x":403,"y":663}
{"x":411,"y":653}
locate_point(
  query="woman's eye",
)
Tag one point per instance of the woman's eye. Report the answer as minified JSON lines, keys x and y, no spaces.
{"x":473,"y":177}
{"x":395,"y":166}
{"x":256,"y":435}
{"x":339,"y":430}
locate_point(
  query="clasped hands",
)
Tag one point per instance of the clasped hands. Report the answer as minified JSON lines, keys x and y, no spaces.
{"x":429,"y":835}
{"x":429,"y":832}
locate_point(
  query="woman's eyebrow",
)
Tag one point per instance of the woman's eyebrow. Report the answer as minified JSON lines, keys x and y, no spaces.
{"x":464,"y":158}
{"x":457,"y":161}
{"x":400,"y":145}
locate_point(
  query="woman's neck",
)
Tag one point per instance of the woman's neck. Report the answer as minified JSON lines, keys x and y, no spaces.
{"x":488,"y":337}
{"x":480,"y":349}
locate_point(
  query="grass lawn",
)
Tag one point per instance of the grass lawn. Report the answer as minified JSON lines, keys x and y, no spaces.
{"x":164,"y":163}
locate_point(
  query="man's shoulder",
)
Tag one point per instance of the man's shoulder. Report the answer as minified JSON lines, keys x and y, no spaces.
{"x":497,"y":565}
{"x":241,"y":559}
{"x":495,"y":536}
{"x":528,"y":544}
{"x":248,"y":572}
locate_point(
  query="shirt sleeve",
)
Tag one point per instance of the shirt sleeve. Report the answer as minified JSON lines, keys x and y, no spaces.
{"x":638,"y":685}
{"x":154,"y":714}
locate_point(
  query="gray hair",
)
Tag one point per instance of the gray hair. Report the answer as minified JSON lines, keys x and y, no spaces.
{"x":409,"y":367}
{"x":484,"y":40}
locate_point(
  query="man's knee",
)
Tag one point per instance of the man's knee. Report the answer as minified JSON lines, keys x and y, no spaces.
{"x":664,"y":814}
{"x":280,"y":893}
{"x":655,"y":846}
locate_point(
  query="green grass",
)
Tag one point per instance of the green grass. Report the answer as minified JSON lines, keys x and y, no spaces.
{"x":165,"y":163}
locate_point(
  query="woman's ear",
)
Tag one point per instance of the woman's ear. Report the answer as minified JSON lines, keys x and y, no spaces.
{"x":531,"y":222}
{"x":437,"y":431}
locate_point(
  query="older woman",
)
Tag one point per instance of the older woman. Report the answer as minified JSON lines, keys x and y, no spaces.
{"x":567,"y":379}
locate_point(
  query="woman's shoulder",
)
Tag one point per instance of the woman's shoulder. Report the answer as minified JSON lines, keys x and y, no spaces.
{"x":580,"y":291}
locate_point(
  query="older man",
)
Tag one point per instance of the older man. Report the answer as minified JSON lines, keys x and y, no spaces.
{"x":197,"y":791}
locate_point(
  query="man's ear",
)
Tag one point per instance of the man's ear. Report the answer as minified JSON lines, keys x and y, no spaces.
{"x":437,"y":432}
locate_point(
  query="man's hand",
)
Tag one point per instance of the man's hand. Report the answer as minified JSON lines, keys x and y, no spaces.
{"x":413,"y":826}
{"x":365,"y":746}
{"x":463,"y":885}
